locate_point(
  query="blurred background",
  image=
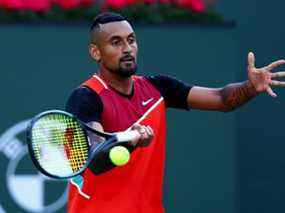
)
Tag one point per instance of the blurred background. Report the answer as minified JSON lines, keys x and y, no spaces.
{"x":228,"y":162}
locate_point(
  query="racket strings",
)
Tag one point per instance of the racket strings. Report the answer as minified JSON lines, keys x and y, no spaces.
{"x":59,"y":144}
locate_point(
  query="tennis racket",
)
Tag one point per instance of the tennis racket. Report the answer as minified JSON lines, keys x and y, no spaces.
{"x":60,"y":147}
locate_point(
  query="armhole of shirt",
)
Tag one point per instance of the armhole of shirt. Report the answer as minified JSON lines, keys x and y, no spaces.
{"x":175,"y":92}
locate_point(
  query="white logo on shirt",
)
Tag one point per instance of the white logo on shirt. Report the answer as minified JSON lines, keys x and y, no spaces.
{"x":144,"y":103}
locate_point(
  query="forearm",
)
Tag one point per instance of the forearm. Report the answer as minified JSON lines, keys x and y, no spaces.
{"x":236,"y":94}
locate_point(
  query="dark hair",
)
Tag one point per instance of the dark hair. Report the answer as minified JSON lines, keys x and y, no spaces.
{"x":106,"y":17}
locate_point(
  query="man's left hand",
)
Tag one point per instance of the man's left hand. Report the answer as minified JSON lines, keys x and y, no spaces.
{"x":262,"y":78}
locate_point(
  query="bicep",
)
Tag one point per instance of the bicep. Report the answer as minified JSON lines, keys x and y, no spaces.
{"x":205,"y":98}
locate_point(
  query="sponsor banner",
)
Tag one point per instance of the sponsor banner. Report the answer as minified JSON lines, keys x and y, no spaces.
{"x":25,"y":188}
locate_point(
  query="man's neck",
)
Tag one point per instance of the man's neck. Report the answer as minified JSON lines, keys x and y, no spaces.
{"x":123,"y":85}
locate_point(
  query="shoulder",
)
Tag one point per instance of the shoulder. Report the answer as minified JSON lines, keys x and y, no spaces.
{"x":168,"y":83}
{"x":85,"y":103}
{"x":83,"y":94}
{"x":174,"y":91}
{"x":82,"y":91}
{"x":165,"y":80}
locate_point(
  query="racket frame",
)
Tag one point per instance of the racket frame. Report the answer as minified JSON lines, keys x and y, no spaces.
{"x":111,"y":140}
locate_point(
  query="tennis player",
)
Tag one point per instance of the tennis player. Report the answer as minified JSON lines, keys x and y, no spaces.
{"x":123,"y":101}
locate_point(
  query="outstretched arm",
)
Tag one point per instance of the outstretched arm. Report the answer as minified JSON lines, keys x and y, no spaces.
{"x":235,"y":95}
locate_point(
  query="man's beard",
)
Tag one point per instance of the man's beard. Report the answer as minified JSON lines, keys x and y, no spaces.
{"x":125,"y":72}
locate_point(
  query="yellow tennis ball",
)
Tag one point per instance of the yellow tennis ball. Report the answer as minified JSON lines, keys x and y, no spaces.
{"x":119,"y":155}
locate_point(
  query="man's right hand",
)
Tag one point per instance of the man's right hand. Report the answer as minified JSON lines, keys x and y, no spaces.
{"x":146,"y":133}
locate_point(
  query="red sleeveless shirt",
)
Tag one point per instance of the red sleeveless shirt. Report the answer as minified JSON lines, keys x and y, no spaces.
{"x":137,"y":186}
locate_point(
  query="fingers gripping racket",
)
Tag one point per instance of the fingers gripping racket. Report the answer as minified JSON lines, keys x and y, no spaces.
{"x":60,"y":146}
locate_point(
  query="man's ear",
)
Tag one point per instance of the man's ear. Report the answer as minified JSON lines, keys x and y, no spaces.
{"x":94,"y":52}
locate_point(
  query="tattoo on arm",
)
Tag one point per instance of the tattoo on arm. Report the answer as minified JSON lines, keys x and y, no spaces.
{"x":237,"y":94}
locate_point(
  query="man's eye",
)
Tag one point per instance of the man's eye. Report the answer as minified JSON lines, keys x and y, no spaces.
{"x":132,"y":40}
{"x":115,"y":43}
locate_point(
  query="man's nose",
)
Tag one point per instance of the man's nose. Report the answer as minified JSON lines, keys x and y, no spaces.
{"x":127,"y":48}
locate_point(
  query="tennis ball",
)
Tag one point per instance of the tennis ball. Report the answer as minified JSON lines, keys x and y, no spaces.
{"x":119,"y":155}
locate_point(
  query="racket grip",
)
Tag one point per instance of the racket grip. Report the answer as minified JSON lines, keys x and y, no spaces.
{"x":128,"y":136}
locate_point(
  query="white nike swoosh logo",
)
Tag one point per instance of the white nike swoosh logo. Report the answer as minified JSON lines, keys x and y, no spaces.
{"x":144,"y":103}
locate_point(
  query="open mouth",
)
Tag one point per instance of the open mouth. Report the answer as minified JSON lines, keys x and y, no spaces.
{"x":128,"y":59}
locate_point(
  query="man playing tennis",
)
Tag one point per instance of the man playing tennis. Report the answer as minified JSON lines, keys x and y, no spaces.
{"x":124,"y":101}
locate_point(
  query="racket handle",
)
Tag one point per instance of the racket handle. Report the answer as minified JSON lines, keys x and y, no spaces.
{"x":128,"y":136}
